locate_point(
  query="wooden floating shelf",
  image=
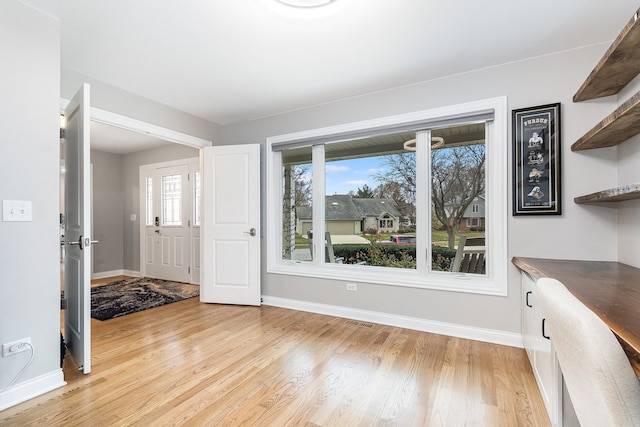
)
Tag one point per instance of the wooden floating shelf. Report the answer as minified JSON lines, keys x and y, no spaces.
{"x":614,"y":129}
{"x":619,"y":194}
{"x":619,"y":65}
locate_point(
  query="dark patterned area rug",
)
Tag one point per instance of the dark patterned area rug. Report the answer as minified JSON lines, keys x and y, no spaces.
{"x":128,"y":296}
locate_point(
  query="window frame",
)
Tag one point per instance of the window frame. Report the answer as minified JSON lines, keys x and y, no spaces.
{"x":496,"y":140}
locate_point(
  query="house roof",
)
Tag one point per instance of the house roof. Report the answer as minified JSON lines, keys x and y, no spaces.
{"x":345,"y":208}
{"x":375,"y":207}
{"x":341,"y":207}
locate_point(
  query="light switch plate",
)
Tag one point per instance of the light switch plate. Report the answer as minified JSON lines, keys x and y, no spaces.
{"x":16,"y":210}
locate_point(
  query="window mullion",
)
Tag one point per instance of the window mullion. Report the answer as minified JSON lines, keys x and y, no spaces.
{"x":423,"y":192}
{"x":318,"y":190}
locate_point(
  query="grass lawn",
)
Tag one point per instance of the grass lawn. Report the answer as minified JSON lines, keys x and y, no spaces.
{"x":439,"y":237}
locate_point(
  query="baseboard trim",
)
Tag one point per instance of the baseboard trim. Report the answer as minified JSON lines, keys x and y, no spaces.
{"x":113,"y":273}
{"x":418,"y":324}
{"x":31,"y":388}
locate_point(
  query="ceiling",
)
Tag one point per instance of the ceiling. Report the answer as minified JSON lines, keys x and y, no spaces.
{"x":229,"y":61}
{"x":116,"y":140}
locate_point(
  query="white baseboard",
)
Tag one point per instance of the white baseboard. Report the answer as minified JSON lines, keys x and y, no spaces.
{"x":418,"y":324}
{"x":113,"y":273}
{"x":31,"y":388}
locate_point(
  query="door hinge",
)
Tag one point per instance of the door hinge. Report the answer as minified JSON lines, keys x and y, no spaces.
{"x":189,"y":270}
{"x":62,"y":133}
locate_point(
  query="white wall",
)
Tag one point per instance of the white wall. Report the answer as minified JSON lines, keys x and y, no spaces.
{"x":628,"y":173}
{"x":580,"y":233}
{"x":30,"y":153}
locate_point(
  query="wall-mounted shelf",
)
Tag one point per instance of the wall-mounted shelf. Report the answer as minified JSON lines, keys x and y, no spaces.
{"x":614,"y":129}
{"x":619,"y":194}
{"x":619,"y":65}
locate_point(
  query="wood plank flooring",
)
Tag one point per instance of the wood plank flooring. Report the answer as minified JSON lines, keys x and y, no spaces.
{"x":196,"y":364}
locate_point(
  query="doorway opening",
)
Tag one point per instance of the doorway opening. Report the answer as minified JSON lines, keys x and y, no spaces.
{"x":101,"y":121}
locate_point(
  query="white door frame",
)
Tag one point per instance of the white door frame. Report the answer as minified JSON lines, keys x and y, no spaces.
{"x":193,"y":165}
{"x":128,"y":123}
{"x":113,"y":119}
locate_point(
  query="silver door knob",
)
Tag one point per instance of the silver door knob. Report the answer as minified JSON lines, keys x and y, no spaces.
{"x":251,"y":232}
{"x":83,"y":242}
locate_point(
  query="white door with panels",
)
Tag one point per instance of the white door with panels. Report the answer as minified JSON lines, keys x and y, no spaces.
{"x":78,"y":243}
{"x":167,"y":240}
{"x":230,"y":266}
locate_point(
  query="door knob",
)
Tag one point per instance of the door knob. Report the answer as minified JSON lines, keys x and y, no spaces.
{"x":83,"y":242}
{"x":251,"y":232}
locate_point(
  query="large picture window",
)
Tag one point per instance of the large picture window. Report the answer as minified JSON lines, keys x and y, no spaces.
{"x":402,"y":200}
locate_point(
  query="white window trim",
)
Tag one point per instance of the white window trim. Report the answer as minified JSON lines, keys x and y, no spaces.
{"x":493,"y":283}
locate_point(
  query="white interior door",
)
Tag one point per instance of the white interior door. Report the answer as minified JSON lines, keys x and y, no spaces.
{"x":168,"y":218}
{"x":230,"y":232}
{"x":77,"y":264}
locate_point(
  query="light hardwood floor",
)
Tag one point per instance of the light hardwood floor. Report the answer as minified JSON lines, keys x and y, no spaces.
{"x":195,"y":364}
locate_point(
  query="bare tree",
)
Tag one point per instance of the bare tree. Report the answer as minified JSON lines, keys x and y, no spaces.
{"x":302,"y":178}
{"x":457,"y":178}
{"x":398,"y":182}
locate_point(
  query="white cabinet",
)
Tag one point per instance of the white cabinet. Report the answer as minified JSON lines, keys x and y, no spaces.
{"x":539,"y":349}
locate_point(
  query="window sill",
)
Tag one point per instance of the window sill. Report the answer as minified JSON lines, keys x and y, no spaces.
{"x":444,"y":281}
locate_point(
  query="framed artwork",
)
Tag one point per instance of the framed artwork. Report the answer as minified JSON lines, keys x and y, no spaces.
{"x":536,"y":161}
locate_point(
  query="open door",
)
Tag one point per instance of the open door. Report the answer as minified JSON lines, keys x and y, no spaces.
{"x":230,"y":225}
{"x":77,"y":261}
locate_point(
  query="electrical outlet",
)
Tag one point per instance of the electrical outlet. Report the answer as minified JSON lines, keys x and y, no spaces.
{"x":352,"y":286}
{"x":15,"y":347}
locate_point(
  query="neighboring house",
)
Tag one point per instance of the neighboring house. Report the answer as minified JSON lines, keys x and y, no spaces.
{"x":347,"y":215}
{"x":474,"y":216}
{"x":378,"y":214}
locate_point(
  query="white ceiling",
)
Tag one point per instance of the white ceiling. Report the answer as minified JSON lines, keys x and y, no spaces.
{"x":116,"y":140}
{"x":234,"y":60}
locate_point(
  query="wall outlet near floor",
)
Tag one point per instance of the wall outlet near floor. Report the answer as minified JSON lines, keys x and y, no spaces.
{"x":352,"y":286}
{"x":15,"y":347}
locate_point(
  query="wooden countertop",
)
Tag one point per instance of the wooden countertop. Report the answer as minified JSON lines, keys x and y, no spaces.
{"x":609,"y":289}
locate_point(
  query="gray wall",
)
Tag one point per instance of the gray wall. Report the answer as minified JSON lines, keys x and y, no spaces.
{"x":108,"y":211}
{"x":30,"y":153}
{"x":580,"y":233}
{"x":110,"y":98}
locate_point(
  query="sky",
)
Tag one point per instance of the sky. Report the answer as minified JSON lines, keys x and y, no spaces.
{"x":343,"y":176}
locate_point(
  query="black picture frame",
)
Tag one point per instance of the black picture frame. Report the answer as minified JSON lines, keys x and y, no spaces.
{"x":537,"y":188}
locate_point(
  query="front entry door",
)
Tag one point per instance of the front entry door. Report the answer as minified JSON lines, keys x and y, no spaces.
{"x":168,"y":218}
{"x":77,"y":260}
{"x":230,"y":264}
